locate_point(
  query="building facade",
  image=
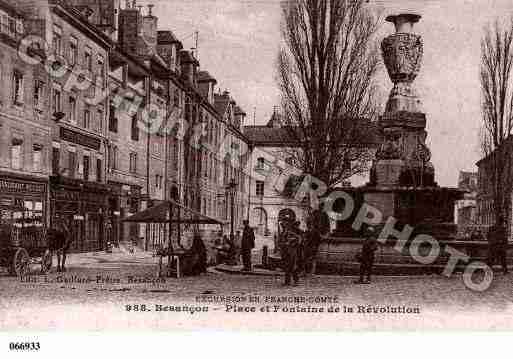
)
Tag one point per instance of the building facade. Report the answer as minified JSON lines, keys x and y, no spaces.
{"x":112,"y":117}
{"x":272,"y":170}
{"x":466,"y":211}
{"x":79,"y":195}
{"x":25,"y":131}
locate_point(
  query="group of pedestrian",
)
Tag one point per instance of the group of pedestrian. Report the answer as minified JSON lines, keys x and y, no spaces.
{"x":291,"y":243}
{"x":240,"y":247}
{"x":299,"y":248}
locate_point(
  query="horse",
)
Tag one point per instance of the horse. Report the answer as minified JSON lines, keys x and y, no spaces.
{"x":59,"y":241}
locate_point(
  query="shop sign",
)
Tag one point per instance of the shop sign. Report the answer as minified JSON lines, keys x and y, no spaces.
{"x":80,"y":138}
{"x":11,"y":186}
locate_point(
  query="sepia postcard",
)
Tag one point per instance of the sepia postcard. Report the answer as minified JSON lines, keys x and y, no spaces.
{"x":323,"y":165}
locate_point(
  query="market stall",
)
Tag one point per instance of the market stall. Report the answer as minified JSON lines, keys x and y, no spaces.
{"x":180,"y":260}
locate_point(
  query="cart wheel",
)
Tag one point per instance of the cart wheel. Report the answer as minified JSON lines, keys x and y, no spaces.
{"x":20,"y":263}
{"x":46,"y":262}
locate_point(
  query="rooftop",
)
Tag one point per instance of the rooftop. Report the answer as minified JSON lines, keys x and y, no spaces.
{"x":204,"y":76}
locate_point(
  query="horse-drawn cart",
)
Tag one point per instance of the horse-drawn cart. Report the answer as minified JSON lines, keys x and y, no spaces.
{"x":22,"y":241}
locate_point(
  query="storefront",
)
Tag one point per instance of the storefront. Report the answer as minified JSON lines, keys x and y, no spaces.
{"x":23,"y":200}
{"x":83,"y":207}
{"x":124,"y":201}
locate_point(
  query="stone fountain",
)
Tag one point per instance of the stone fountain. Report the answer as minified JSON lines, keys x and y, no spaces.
{"x":402,"y":179}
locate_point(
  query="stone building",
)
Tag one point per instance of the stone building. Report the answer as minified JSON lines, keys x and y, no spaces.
{"x":67,"y":96}
{"x":271,"y":170}
{"x":485,"y":202}
{"x":179,"y":159}
{"x":78,"y":109}
{"x":466,"y":211}
{"x":113,"y":117}
{"x":233,"y":154}
{"x":25,"y":141}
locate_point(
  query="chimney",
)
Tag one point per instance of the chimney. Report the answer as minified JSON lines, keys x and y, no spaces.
{"x":130,"y":28}
{"x":149,"y":31}
{"x":189,"y":67}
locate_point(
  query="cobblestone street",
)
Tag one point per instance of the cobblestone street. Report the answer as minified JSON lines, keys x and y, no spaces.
{"x":63,"y":301}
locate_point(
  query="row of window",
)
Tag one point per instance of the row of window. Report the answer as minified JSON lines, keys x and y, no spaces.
{"x":73,"y":166}
{"x":18,"y":90}
{"x":72,"y":54}
{"x":113,"y":160}
{"x":11,"y":26}
{"x":88,"y":120}
{"x":17,"y":155}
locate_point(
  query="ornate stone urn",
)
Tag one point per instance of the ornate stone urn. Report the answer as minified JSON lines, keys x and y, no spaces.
{"x":402,"y":53}
{"x":403,"y":157}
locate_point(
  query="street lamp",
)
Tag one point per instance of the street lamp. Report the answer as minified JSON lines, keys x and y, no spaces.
{"x":230,"y":190}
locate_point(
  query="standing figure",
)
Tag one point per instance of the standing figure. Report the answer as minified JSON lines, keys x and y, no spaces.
{"x":198,"y":253}
{"x":366,"y":257}
{"x":59,"y":240}
{"x":498,"y":245}
{"x":291,"y":252}
{"x":237,"y":243}
{"x":318,"y":226}
{"x":247,"y":244}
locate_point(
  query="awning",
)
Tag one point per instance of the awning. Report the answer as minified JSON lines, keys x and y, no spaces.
{"x":179,"y":214}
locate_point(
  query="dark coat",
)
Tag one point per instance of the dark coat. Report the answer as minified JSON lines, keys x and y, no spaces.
{"x":248,"y":239}
{"x":497,"y":237}
{"x":198,"y":251}
{"x":319,"y":222}
{"x":370,"y":245}
{"x":57,"y":239}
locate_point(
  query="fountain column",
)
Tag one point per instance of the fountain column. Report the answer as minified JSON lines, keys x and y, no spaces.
{"x":402,"y":182}
{"x":403,"y":157}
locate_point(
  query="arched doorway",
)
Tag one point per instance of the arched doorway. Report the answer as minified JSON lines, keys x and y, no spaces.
{"x":259,"y":221}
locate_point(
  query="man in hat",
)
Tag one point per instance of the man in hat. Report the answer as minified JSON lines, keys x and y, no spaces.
{"x":291,"y":251}
{"x":366,"y":256}
{"x":247,"y":244}
{"x":318,"y":225}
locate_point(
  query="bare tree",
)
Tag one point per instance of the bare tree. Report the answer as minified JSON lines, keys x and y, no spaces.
{"x":497,"y":111}
{"x":326,"y":69}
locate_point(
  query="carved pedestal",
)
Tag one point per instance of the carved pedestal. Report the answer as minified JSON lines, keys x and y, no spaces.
{"x":388,"y":172}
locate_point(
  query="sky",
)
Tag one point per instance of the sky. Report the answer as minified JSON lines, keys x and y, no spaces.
{"x":238,"y":44}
